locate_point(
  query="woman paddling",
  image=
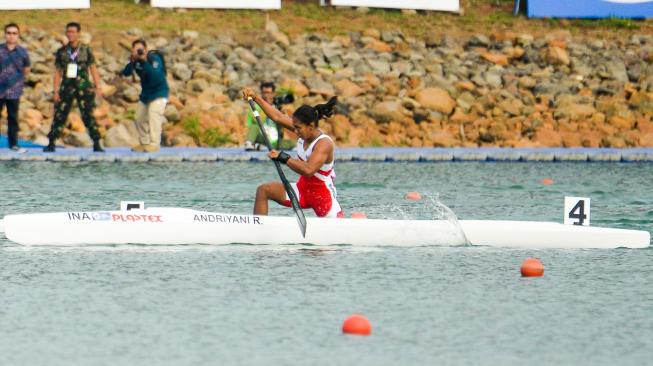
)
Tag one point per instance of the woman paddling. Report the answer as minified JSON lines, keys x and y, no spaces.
{"x":314,"y":163}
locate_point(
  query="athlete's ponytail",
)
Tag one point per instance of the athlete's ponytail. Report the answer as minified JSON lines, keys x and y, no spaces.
{"x":326,"y":110}
{"x":312,"y":115}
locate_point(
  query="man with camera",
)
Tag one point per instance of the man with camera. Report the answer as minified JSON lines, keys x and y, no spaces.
{"x":151,"y":69}
{"x":254,"y":139}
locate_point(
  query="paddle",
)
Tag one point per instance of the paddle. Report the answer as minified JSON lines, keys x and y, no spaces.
{"x":301,"y":219}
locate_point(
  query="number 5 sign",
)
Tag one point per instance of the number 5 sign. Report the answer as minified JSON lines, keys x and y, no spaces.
{"x":577,"y":211}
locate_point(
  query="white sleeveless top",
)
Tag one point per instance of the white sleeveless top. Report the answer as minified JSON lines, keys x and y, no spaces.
{"x":326,"y":171}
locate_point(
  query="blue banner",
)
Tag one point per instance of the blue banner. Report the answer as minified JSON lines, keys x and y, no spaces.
{"x":4,"y":143}
{"x":590,"y":8}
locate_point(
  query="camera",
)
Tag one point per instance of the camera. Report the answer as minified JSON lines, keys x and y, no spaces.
{"x":283,"y":99}
{"x":140,"y":51}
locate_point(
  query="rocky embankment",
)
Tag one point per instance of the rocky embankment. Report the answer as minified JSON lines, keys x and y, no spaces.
{"x":500,"y":89}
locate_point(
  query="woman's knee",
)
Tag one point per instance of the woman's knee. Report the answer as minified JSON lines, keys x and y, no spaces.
{"x":263,"y":190}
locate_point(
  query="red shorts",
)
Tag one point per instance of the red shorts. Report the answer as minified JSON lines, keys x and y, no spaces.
{"x":318,"y":195}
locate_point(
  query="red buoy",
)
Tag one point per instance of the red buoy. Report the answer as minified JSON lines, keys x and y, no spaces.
{"x":532,"y":267}
{"x":358,"y":215}
{"x":413,"y":196}
{"x":357,"y":324}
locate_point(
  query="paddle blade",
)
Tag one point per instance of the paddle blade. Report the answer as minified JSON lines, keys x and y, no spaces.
{"x":294,"y":202}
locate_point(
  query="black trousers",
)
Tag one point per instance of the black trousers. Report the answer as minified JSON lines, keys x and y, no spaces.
{"x":12,"y":114}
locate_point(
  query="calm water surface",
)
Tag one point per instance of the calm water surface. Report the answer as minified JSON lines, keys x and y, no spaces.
{"x":254,"y":305}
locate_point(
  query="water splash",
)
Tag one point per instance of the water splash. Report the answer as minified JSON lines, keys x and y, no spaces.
{"x":430,"y":207}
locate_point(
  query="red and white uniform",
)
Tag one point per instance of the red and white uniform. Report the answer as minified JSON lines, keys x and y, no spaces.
{"x":318,"y":191}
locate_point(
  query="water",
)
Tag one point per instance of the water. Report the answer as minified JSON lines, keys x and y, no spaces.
{"x":252,"y":305}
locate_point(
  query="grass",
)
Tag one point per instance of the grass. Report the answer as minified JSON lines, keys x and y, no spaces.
{"x":616,"y":23}
{"x":111,"y":17}
{"x":211,"y":137}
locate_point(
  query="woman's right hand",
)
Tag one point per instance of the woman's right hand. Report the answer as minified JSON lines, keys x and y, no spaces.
{"x":248,"y":93}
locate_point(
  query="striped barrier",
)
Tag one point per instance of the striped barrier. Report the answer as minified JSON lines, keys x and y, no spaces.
{"x":372,"y":154}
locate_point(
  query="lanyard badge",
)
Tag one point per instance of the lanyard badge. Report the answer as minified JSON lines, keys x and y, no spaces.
{"x":71,"y":69}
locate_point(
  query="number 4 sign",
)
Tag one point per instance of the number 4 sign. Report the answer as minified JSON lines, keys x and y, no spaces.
{"x":577,"y":211}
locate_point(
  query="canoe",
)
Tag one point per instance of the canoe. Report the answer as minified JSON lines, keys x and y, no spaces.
{"x":182,"y":226}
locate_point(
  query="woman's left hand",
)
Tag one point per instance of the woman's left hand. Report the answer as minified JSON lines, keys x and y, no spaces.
{"x":273,"y":154}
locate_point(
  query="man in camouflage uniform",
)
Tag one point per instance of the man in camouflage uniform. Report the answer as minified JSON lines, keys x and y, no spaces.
{"x":73,"y":62}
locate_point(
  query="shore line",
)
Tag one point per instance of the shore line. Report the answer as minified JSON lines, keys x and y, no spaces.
{"x":370,"y":154}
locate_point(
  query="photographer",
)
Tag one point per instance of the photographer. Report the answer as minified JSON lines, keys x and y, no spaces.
{"x":274,"y":131}
{"x":150,"y":68}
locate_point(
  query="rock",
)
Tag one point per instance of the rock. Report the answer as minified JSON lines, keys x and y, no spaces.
{"x":379,"y":46}
{"x":79,"y":139}
{"x":123,"y":134}
{"x":317,"y":85}
{"x":131,"y":94}
{"x":525,"y":40}
{"x":617,"y":70}
{"x":621,"y":123}
{"x":101,"y":111}
{"x":183,"y":140}
{"x":33,"y":117}
{"x":493,"y":78}
{"x":548,"y":138}
{"x":207,"y":58}
{"x":246,"y":55}
{"x":190,"y":34}
{"x":443,"y":138}
{"x":614,"y":142}
{"x":182,"y":72}
{"x":380,"y":67}
{"x":388,"y":36}
{"x":478,"y":40}
{"x":557,"y":56}
{"x":197,"y":85}
{"x":388,"y":111}
{"x":527,"y":82}
{"x":643,"y":102}
{"x":280,"y":38}
{"x":503,"y":36}
{"x":571,"y":139}
{"x":511,"y":106}
{"x":514,"y":52}
{"x":495,"y":58}
{"x":436,"y":99}
{"x":348,"y":89}
{"x":108,"y":90}
{"x":574,"y":111}
{"x":373,"y":33}
{"x":295,"y":86}
{"x":172,"y":113}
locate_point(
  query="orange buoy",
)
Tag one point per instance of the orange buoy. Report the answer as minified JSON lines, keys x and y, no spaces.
{"x":358,"y":215}
{"x":413,"y":196}
{"x":532,"y":267}
{"x":547,"y":181}
{"x":357,"y":324}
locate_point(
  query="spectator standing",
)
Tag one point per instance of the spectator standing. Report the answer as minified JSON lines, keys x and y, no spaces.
{"x":14,"y":69}
{"x":73,"y":64}
{"x":150,"y":112}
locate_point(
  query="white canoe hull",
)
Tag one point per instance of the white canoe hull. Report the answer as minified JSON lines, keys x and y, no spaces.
{"x":178,"y":226}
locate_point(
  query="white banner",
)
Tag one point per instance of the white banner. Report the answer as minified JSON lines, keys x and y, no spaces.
{"x":218,"y":4}
{"x":44,"y":4}
{"x":446,"y":5}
